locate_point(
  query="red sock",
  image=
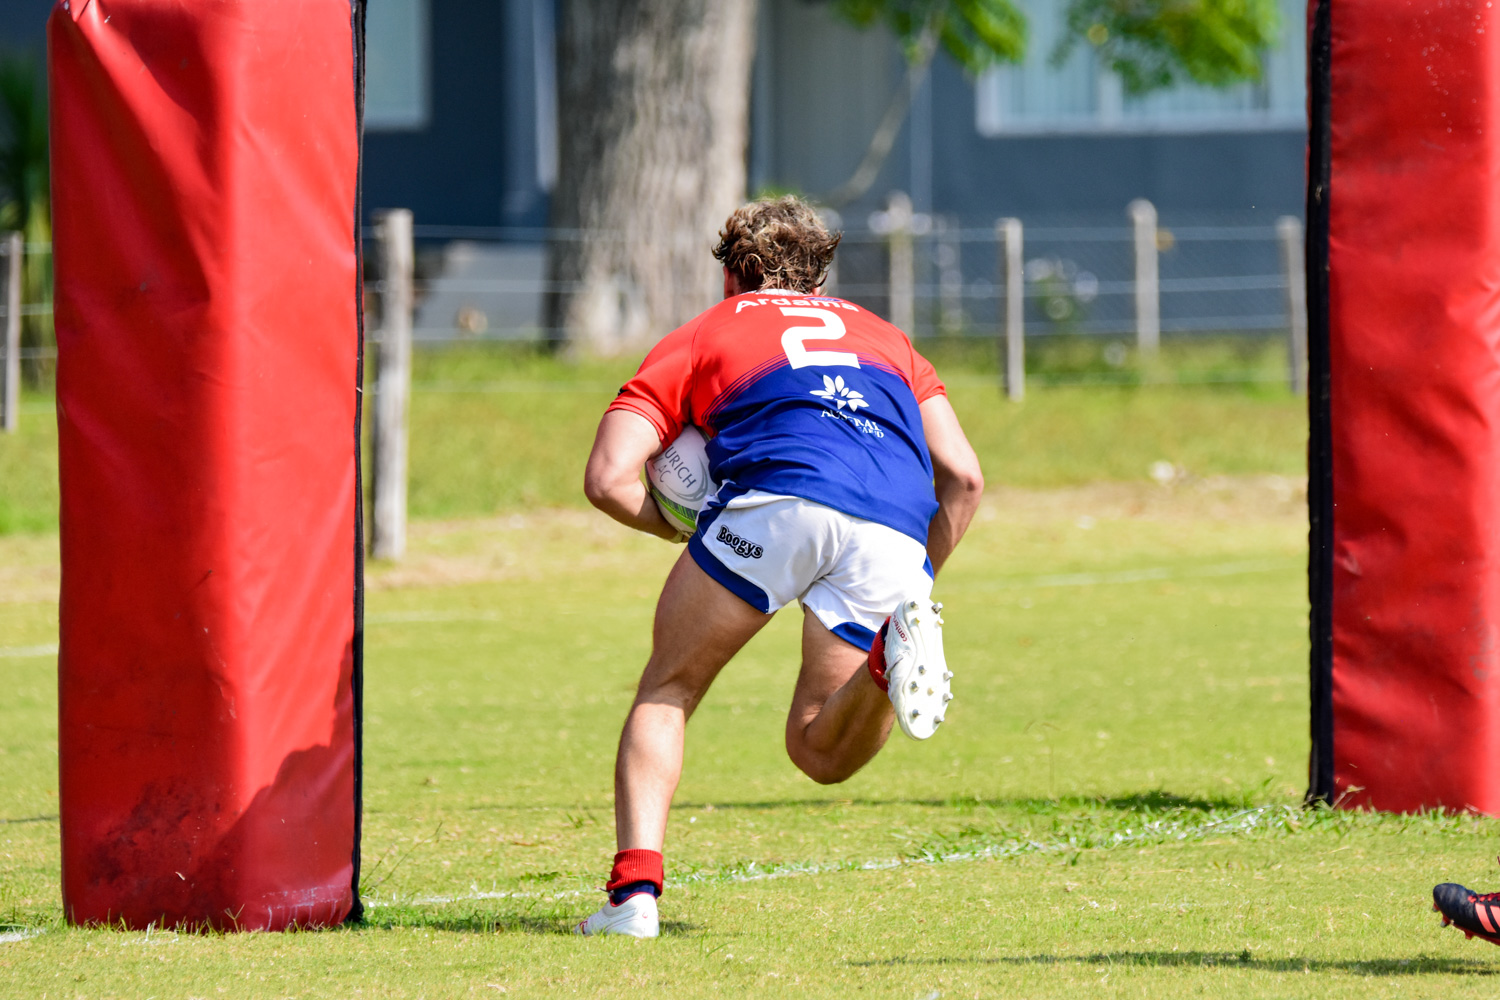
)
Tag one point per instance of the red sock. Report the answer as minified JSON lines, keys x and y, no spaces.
{"x":636,"y":865}
{"x":876,"y":662}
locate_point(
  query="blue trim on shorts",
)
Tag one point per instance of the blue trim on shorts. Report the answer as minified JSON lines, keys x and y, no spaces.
{"x":732,"y":582}
{"x":855,"y":635}
{"x":927,"y":568}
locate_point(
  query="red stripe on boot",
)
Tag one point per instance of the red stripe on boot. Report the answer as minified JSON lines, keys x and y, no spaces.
{"x":876,"y":660}
{"x":636,"y":865}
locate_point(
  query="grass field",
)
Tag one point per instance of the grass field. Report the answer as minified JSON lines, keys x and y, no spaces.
{"x":496,"y":430}
{"x":1112,"y":808}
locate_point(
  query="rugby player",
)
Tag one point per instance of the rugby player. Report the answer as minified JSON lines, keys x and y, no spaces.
{"x":845,"y":483}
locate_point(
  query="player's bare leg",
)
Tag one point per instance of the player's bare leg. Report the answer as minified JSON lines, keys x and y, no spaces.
{"x":840,"y":718}
{"x":699,"y":625}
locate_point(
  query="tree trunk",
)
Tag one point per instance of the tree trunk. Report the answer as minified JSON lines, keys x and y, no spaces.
{"x":653,"y":121}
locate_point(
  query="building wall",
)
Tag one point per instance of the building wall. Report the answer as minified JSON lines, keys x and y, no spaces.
{"x":821,"y":87}
{"x":23,"y":26}
{"x":474,"y":161}
{"x":1201,"y":174}
{"x":482,"y":156}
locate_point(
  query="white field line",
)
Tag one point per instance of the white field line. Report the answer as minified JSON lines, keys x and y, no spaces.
{"x":1145,"y":575}
{"x":46,"y":649}
{"x":11,"y":937}
{"x":1244,"y":821}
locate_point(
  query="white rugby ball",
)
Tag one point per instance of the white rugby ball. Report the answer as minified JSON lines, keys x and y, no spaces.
{"x":679,"y":481}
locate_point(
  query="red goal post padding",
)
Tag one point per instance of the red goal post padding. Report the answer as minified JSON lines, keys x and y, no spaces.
{"x":1404,"y":296}
{"x":205,"y":177}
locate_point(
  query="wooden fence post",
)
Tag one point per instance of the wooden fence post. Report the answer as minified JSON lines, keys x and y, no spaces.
{"x":393,"y":229}
{"x":1147,"y":284}
{"x":1013,"y":280}
{"x":949,"y":253}
{"x":10,"y":374}
{"x":903,"y":278}
{"x":1289,"y":234}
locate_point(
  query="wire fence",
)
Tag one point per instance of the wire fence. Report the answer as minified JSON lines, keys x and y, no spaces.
{"x":476,"y":283}
{"x":490,"y":284}
{"x":37,"y":304}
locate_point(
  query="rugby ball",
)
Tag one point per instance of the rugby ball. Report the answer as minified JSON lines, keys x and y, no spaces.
{"x":679,"y":481}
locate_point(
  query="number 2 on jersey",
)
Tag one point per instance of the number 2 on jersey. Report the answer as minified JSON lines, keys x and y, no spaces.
{"x":795,"y":337}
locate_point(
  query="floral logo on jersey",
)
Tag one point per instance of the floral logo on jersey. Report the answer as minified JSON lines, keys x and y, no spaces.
{"x":837,"y":392}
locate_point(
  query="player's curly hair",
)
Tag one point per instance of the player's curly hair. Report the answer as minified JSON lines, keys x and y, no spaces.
{"x":777,"y":243}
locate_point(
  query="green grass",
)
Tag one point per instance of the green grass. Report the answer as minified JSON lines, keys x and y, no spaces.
{"x":28,"y":468}
{"x":496,"y":429}
{"x":1113,"y":806}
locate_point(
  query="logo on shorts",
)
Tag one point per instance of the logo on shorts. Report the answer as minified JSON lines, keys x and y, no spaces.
{"x":743,"y":547}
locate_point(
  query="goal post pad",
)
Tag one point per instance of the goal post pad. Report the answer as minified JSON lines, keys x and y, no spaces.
{"x":1404,"y":491}
{"x":205,"y":178}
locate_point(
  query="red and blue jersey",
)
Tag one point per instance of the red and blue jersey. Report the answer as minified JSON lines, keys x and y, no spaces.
{"x":799,"y":395}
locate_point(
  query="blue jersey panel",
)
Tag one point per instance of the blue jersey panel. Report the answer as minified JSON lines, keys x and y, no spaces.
{"x":850,"y":438}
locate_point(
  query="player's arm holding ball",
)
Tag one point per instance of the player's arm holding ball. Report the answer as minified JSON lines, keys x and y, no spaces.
{"x":956,"y":478}
{"x":612,"y":478}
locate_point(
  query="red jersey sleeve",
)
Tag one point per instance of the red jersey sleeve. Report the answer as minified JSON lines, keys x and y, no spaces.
{"x":659,"y":391}
{"x":924,"y":379}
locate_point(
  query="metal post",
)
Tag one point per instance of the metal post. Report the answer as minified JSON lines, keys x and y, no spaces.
{"x":1013,"y":279}
{"x":1147,"y":285}
{"x":10,"y":376}
{"x":393,"y":229}
{"x":950,"y":278}
{"x":903,"y":279}
{"x":1289,"y":234}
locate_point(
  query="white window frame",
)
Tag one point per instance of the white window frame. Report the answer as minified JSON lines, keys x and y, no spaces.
{"x":397,"y":97}
{"x":1112,"y":113}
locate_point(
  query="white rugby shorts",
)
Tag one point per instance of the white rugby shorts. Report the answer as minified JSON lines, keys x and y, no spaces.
{"x":769,"y":549}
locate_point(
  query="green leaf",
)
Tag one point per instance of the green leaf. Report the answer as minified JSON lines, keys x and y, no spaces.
{"x":1151,"y":44}
{"x":1155,"y":44}
{"x":977,"y":33}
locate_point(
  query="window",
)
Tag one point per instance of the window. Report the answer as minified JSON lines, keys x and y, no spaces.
{"x":1082,"y":96}
{"x":396,"y":65}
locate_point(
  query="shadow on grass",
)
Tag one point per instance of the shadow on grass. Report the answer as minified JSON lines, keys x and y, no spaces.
{"x":1421,"y":965}
{"x":1154,"y":801}
{"x":1157,"y":800}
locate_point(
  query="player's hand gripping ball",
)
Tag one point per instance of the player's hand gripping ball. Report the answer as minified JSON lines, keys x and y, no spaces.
{"x":679,"y":481}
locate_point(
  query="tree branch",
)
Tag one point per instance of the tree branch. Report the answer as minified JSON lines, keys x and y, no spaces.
{"x":890,"y":124}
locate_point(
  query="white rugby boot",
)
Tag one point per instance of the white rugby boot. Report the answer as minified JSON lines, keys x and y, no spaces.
{"x":915,"y":670}
{"x":635,"y":917}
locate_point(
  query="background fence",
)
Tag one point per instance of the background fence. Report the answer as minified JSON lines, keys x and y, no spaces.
{"x":934,"y":278}
{"x":1121,"y":287}
{"x":26,"y":350}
